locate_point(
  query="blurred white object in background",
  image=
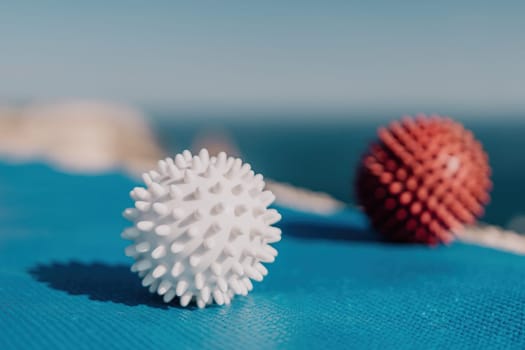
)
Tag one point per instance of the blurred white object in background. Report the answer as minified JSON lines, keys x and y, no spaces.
{"x":517,"y":223}
{"x":78,"y":136}
{"x":304,"y":199}
{"x":216,"y":141}
{"x":94,"y":137}
{"x":493,"y":237}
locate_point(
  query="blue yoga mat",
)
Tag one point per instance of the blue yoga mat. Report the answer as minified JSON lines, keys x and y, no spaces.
{"x":65,"y":282}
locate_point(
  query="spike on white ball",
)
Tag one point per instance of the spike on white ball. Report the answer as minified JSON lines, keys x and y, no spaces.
{"x":201,"y":229}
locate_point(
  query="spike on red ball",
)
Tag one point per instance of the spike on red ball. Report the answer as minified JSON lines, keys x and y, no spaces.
{"x":423,"y":179}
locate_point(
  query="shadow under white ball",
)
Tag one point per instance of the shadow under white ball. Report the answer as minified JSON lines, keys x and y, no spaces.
{"x":201,"y":228}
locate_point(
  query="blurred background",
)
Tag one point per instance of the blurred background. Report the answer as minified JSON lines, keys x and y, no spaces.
{"x":297,"y":88}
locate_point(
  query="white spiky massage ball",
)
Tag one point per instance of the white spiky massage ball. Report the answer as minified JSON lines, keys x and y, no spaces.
{"x":201,"y":228}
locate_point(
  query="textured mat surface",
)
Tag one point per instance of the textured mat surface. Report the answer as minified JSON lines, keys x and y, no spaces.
{"x":65,"y":282}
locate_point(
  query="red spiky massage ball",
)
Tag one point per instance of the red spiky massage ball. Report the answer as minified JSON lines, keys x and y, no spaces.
{"x":423,"y":179}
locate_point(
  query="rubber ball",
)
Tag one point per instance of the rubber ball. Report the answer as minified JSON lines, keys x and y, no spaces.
{"x":423,"y":179}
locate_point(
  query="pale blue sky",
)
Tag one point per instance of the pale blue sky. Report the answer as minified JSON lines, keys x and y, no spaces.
{"x":322,"y":54}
